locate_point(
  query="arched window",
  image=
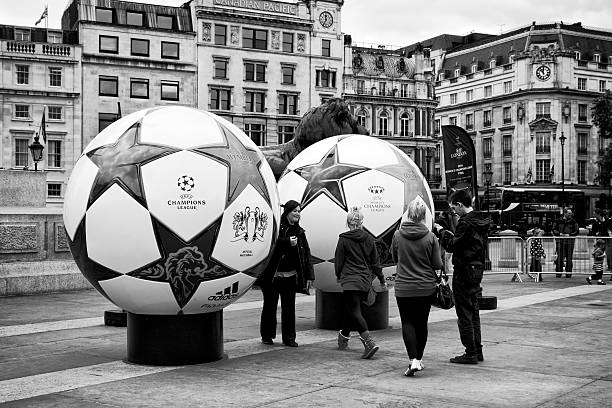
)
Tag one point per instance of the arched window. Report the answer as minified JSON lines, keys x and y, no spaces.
{"x":405,"y":124}
{"x":383,"y":122}
{"x":361,"y":118}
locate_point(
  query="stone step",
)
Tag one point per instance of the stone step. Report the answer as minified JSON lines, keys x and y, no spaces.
{"x":25,"y":278}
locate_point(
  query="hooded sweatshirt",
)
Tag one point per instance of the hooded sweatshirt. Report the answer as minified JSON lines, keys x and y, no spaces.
{"x":356,"y":262}
{"x":417,"y":253}
{"x":469,"y":241}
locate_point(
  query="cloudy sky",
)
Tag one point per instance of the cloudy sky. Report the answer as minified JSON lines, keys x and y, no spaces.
{"x":397,"y":22}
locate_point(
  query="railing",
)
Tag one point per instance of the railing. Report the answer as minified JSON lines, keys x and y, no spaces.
{"x":59,"y":50}
{"x":31,"y":48}
{"x":21,"y":47}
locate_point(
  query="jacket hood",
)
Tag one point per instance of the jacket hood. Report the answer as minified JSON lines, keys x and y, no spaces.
{"x":413,"y":231}
{"x":478,"y":220}
{"x":357,"y":235}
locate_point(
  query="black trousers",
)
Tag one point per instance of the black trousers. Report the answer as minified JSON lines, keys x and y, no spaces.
{"x":353,"y":318}
{"x":565,"y":253}
{"x":414,"y":313}
{"x":285,"y":289}
{"x":466,"y":289}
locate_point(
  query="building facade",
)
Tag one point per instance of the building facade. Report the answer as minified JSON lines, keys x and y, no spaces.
{"x":525,"y":97}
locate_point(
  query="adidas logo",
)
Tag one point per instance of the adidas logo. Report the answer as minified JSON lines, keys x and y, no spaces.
{"x":226,"y":294}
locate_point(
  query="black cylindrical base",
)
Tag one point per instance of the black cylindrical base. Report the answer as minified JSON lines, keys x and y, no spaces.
{"x":115,"y":317}
{"x":174,"y":339}
{"x":329,"y":310}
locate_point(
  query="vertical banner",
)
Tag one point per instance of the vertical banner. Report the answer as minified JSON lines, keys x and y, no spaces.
{"x":459,"y":161}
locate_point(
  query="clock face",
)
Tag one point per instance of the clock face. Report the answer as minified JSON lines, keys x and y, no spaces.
{"x":326,"y":19}
{"x":543,"y":72}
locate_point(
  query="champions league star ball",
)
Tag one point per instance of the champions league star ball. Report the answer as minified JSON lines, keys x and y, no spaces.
{"x":340,"y":172}
{"x":172,"y":210}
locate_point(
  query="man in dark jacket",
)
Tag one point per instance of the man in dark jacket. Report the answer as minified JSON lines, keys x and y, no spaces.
{"x":468,"y":245}
{"x":566,"y":228}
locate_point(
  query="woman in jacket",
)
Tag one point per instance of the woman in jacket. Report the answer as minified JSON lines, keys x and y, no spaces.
{"x":289,"y":271}
{"x":417,"y":253}
{"x":355,"y":261}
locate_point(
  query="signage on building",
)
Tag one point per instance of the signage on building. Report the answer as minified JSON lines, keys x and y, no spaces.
{"x":260,"y":5}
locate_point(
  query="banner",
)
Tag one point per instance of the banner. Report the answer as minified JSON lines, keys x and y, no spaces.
{"x":459,"y":161}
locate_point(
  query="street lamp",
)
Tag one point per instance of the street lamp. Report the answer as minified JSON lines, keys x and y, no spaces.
{"x":36,"y":149}
{"x":488,"y":174}
{"x":565,"y":112}
{"x":428,"y":160}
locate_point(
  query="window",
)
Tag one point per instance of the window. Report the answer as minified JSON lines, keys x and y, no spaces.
{"x":165,"y":22}
{"x":285,"y":133}
{"x":104,"y":15}
{"x":139,"y":88}
{"x":582,"y":112}
{"x":23,"y":74}
{"x":54,"y":37}
{"x":542,"y":110}
{"x":507,"y":172}
{"x":22,"y":35}
{"x":255,"y":72}
{"x":361,"y":117}
{"x":257,"y":39}
{"x":288,"y":42}
{"x":134,"y":18}
{"x":220,"y":34}
{"x":487,"y":147}
{"x":404,"y":124}
{"x":54,"y":153}
{"x":577,"y":55}
{"x":55,"y":113}
{"x":170,"y":50}
{"x":543,"y":170}
{"x":108,"y":85}
{"x":582,"y":84}
{"x":326,"y":48}
{"x":457,"y":72}
{"x":220,"y":98}
{"x":256,"y":132}
{"x":326,"y":78}
{"x":287,"y":104}
{"x":140,"y":47}
{"x":404,"y":90}
{"x":108,"y":44}
{"x":22,"y":111}
{"x":105,"y":119}
{"x":55,"y":76}
{"x":288,"y":75}
{"x":220,"y":68}
{"x":437,"y":126}
{"x":511,"y":58}
{"x":22,"y":155}
{"x":452,"y":120}
{"x":492,"y":63}
{"x":542,"y":142}
{"x":469,"y":95}
{"x":255,"y":101}
{"x":54,"y":190}
{"x":469,"y":121}
{"x":582,"y":143}
{"x":383,"y":88}
{"x":169,"y":91}
{"x":383,"y":123}
{"x":507,"y":145}
{"x":360,"y":86}
{"x":602,"y":86}
{"x":488,"y":91}
{"x":487,"y":118}
{"x":507,"y":115}
{"x":453,"y":98}
{"x":474,"y":68}
{"x":507,"y":86}
{"x":597,"y":58}
{"x":582,"y":170}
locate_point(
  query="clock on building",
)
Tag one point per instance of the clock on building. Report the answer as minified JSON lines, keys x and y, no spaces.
{"x":326,"y":19}
{"x":543,"y":72}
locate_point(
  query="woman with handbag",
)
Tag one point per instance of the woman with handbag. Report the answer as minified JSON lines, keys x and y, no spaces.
{"x":417,"y":253}
{"x":355,"y":263}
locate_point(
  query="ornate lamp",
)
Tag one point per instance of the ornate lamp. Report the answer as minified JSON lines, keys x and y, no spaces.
{"x":36,"y":149}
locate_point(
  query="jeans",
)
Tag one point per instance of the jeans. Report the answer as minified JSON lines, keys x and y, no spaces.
{"x":414,"y":313}
{"x":565,"y":252}
{"x":285,"y":288}
{"x":353,"y":318}
{"x":466,"y":289}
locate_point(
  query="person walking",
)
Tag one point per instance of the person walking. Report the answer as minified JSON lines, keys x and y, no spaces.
{"x":356,"y":262}
{"x":468,"y":245}
{"x":599,"y":253}
{"x":289,"y":271}
{"x":416,"y":251}
{"x":565,"y":230}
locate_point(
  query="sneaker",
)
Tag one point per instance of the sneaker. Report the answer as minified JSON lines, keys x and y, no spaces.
{"x":601,"y":282}
{"x":269,"y":342}
{"x":290,"y":343}
{"x":421,"y":365}
{"x":414,"y":367}
{"x":588,"y":280}
{"x":464,"y":359}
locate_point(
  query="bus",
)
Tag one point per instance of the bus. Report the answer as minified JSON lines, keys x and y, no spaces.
{"x":527,"y":207}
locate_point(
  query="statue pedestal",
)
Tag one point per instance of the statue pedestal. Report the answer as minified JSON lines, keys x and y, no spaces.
{"x":329,"y":311}
{"x":174,"y":340}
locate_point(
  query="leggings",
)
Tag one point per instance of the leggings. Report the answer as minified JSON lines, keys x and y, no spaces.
{"x":414,"y":313}
{"x":353,"y":319}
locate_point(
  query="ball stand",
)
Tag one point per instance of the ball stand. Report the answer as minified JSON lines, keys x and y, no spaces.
{"x":174,"y":339}
{"x":329,"y":311}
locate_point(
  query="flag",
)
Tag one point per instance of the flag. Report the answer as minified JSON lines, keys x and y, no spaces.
{"x":459,"y":161}
{"x":552,"y":172}
{"x":44,"y":15}
{"x":118,"y":110}
{"x":43,"y":127}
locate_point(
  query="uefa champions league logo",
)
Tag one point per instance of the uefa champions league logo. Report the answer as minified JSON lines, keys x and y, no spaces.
{"x":250,"y":225}
{"x":186,"y":183}
{"x":376,"y":204}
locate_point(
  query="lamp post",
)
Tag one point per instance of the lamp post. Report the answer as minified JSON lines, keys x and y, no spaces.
{"x":428,"y":161}
{"x":36,"y":149}
{"x":488,"y":174}
{"x":565,"y":112}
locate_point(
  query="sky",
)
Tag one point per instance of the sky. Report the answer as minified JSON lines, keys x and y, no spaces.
{"x":396,"y":22}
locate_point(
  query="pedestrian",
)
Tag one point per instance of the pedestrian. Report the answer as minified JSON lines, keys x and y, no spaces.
{"x":601,"y":227}
{"x":416,"y":251}
{"x":356,"y":264}
{"x":468,"y":245}
{"x":599,"y":253}
{"x":537,"y":252}
{"x":565,"y":230}
{"x":290,"y":271}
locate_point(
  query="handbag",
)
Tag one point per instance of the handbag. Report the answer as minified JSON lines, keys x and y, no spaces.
{"x":371,"y":298}
{"x":443,"y":295}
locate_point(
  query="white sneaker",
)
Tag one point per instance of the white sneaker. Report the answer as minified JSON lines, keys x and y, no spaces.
{"x":422,"y":366}
{"x":414,"y":367}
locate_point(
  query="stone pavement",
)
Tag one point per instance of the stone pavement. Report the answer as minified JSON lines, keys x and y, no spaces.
{"x":547,"y":345}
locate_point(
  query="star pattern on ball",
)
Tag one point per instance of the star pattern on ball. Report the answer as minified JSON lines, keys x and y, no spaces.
{"x":120,"y":163}
{"x":240,"y":162}
{"x":326,"y":178}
